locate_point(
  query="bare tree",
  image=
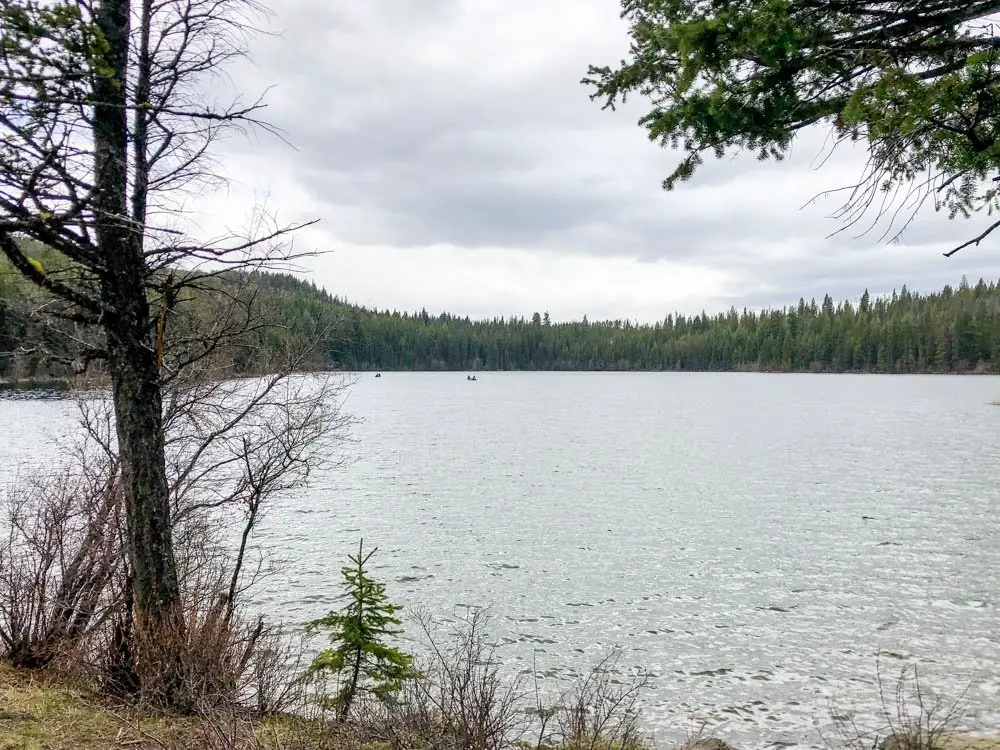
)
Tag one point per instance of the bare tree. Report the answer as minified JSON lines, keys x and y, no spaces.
{"x":106,"y":124}
{"x":232,"y":448}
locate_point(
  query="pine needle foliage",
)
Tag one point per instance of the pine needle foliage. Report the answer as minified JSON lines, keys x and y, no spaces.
{"x":361,"y":656}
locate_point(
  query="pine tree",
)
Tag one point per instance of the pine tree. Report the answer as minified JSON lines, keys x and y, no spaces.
{"x":361,"y":656}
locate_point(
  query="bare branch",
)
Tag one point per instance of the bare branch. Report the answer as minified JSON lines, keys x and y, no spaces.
{"x":976,"y":240}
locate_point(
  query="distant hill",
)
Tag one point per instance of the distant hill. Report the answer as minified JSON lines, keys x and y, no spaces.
{"x":955,"y":330}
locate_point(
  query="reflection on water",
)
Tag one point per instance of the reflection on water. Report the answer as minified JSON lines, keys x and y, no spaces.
{"x":752,"y":540}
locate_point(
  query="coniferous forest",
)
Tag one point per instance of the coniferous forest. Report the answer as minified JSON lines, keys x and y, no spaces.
{"x":956,"y":330}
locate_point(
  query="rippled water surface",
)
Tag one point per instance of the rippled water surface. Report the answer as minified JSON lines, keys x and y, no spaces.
{"x":753,"y":540}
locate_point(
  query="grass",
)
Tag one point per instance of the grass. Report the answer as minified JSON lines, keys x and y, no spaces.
{"x":39,"y":712}
{"x":958,"y":742}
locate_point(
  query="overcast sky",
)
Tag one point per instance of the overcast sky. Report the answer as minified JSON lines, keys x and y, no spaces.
{"x":456,"y":163}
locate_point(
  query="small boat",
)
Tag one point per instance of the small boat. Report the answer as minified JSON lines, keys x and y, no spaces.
{"x":378,"y":374}
{"x":470,"y":377}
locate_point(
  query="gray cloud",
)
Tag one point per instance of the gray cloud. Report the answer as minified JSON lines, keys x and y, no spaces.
{"x":446,"y":123}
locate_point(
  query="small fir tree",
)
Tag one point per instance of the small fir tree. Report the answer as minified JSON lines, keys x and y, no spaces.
{"x":360,"y":656}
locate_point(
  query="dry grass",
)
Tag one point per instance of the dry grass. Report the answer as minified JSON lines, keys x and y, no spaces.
{"x":36,"y":713}
{"x":40,"y":712}
{"x":959,"y":742}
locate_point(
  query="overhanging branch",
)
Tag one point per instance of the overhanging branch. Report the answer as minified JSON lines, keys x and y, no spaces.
{"x":38,"y":276}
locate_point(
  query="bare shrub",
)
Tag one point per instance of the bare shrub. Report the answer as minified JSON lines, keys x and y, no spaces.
{"x":911,"y":717}
{"x":270,"y":684}
{"x":602,"y":710}
{"x":227,"y":730}
{"x":460,"y":700}
{"x":57,"y":561}
{"x":464,"y":686}
{"x":218,"y":729}
{"x":233,"y":448}
{"x":465,"y":699}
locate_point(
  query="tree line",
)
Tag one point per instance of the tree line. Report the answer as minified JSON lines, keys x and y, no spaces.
{"x":955,"y":330}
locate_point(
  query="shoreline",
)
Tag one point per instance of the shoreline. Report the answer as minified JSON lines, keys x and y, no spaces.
{"x":36,"y":384}
{"x":45,"y":710}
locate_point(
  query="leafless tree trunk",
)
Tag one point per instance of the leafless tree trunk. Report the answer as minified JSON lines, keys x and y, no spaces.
{"x":103,"y":128}
{"x":233,"y":447}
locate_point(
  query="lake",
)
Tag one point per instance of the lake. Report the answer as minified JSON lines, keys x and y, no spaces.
{"x":752,"y":540}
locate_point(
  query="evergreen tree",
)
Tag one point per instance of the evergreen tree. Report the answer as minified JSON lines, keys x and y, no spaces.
{"x":361,"y":656}
{"x":956,"y":330}
{"x":917,"y":81}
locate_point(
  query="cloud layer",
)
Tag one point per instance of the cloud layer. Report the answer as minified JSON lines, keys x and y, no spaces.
{"x":456,"y":162}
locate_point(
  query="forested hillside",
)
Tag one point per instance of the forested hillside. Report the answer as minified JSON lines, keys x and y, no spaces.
{"x":956,"y":330}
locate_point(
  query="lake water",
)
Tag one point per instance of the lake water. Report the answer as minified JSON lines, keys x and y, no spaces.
{"x":752,"y":540}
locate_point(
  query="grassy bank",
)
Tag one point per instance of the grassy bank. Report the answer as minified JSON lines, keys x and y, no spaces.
{"x":40,"y":711}
{"x":36,"y":711}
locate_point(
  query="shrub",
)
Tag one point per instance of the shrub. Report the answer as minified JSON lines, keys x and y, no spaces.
{"x":58,"y":560}
{"x":912,"y":718}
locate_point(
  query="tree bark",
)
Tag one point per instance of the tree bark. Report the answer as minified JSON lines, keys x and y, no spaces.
{"x":356,"y":669}
{"x":135,"y":377}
